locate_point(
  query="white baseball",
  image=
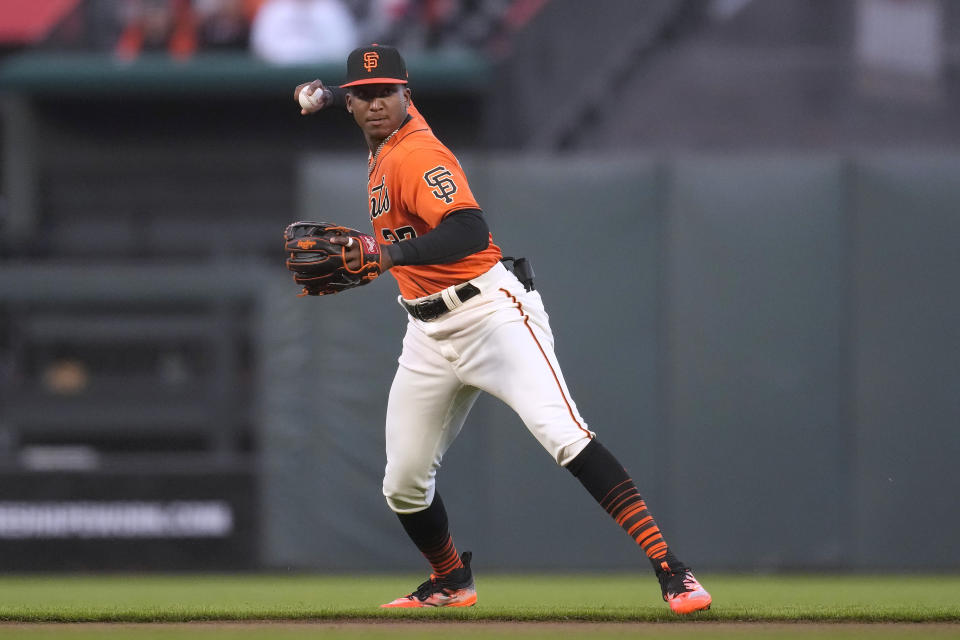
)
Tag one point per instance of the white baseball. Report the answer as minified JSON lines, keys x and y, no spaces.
{"x":312,"y":101}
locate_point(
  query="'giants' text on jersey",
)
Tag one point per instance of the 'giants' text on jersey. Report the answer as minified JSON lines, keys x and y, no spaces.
{"x":379,"y":199}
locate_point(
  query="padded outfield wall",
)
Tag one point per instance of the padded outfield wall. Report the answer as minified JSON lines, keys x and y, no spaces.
{"x":770,"y":344}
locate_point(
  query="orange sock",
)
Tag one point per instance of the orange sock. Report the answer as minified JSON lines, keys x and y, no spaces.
{"x":610,"y":485}
{"x":443,"y":558}
{"x":429,"y":530}
{"x":626,"y":506}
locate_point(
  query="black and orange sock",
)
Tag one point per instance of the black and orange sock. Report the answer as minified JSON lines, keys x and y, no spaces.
{"x":429,"y":530}
{"x":610,"y":485}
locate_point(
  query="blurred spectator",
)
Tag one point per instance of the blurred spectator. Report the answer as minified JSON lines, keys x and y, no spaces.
{"x":224,"y":24}
{"x":439,"y":16}
{"x":445,"y":24}
{"x":389,"y":21}
{"x":280,"y":31}
{"x":157,"y":25}
{"x":299,"y":31}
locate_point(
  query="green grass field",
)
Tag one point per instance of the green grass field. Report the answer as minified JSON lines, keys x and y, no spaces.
{"x":794,"y":604}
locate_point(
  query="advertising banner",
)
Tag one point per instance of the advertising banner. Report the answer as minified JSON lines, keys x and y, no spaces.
{"x":114,"y":521}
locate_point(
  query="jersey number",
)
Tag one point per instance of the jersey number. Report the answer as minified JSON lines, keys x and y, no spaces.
{"x":393,"y":236}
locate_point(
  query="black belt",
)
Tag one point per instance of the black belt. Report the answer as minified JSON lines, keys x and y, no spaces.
{"x":433,"y":309}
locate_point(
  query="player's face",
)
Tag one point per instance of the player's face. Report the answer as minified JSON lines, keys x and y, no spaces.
{"x":379,"y":109}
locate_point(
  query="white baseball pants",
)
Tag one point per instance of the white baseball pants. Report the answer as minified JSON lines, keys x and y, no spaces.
{"x":498,"y":341}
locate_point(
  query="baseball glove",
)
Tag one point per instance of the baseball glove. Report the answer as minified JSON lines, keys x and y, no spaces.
{"x":320,"y":265}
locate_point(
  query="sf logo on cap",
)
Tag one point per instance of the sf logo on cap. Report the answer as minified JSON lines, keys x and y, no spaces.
{"x":370,"y":60}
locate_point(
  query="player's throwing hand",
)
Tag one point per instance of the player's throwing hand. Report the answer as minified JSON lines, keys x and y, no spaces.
{"x":312,"y":97}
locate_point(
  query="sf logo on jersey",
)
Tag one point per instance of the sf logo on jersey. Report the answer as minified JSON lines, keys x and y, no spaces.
{"x":379,"y":199}
{"x":442,"y":182}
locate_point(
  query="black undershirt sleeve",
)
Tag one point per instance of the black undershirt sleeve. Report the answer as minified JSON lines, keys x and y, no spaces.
{"x":339,"y":97}
{"x":460,"y":234}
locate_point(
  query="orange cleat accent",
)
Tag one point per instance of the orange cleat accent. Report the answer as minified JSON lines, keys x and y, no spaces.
{"x":683,"y":593}
{"x":440,"y":598}
{"x":454,"y":589}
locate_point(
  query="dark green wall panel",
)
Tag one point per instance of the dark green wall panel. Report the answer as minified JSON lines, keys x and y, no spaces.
{"x":754,"y":310}
{"x":907,"y":341}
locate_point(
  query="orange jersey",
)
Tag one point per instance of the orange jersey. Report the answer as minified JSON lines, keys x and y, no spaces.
{"x":414,"y":183}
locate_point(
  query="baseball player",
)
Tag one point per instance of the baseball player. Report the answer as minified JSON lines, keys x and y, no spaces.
{"x":472,"y":326}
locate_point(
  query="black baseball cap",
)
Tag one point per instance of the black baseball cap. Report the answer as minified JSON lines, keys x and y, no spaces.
{"x":375,"y":64}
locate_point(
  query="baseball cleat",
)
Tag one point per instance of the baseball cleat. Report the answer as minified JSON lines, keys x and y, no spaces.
{"x":452,"y":590}
{"x":683,"y":593}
